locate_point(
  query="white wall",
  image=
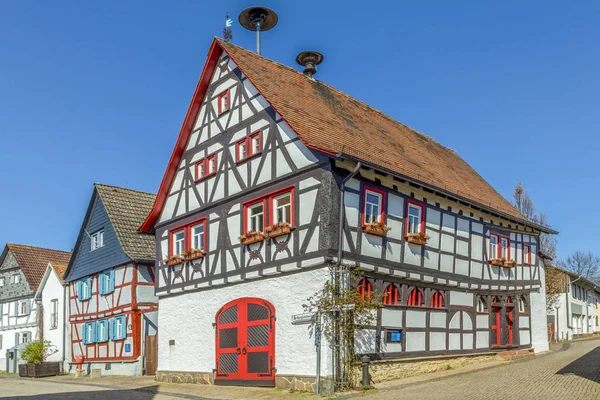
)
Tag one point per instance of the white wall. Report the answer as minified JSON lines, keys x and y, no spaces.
{"x":188,"y":320}
{"x":53,"y":289}
{"x":539,"y":321}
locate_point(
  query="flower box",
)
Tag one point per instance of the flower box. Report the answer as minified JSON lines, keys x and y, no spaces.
{"x":377,"y":229}
{"x":510,"y":263}
{"x":498,"y":262}
{"x":39,"y":370}
{"x":193,"y":254}
{"x":417,"y":238}
{"x":280,"y":229}
{"x":251,"y":238}
{"x":173,"y":260}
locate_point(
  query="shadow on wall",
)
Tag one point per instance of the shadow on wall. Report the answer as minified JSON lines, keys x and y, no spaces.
{"x":145,"y":393}
{"x":586,"y":366}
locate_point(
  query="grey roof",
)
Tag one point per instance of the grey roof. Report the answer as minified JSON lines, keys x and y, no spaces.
{"x":127,"y":209}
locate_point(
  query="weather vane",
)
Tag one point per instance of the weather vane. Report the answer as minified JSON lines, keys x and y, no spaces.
{"x":227,"y":35}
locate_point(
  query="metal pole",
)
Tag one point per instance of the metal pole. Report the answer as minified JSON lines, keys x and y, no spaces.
{"x":258,"y":38}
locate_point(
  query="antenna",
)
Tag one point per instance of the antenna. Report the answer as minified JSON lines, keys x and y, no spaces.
{"x":258,"y":19}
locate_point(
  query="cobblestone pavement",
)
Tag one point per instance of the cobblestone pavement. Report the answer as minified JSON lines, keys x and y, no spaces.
{"x":572,"y":374}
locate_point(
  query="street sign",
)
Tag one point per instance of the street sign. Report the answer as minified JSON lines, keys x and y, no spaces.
{"x":302,"y":319}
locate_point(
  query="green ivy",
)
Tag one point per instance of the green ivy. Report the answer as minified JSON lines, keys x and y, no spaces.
{"x":36,"y":352}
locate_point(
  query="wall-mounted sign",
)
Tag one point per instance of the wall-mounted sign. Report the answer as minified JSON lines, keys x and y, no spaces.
{"x":301,"y":319}
{"x":393,"y":337}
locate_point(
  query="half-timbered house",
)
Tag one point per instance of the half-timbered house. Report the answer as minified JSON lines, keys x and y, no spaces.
{"x":22,"y":269}
{"x":112,"y":307}
{"x":275,"y":176}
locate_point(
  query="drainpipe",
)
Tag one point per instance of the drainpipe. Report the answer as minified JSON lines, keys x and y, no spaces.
{"x":335,"y":362}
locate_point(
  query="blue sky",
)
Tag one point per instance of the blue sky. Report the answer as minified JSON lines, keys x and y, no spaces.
{"x":97,"y":91}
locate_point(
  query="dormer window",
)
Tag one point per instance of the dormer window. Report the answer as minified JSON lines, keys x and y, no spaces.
{"x":97,"y":239}
{"x":415,"y":217}
{"x":206,"y":167}
{"x":223,"y":102}
{"x":248,"y":147}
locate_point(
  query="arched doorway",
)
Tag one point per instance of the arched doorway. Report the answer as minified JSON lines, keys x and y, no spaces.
{"x":245,"y":343}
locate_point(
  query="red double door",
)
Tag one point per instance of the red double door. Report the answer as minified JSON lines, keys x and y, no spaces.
{"x":245,"y":343}
{"x":498,"y":338}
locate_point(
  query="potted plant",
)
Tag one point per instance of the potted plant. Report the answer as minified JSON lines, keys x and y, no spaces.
{"x":377,"y":228}
{"x":173,"y":260}
{"x":252,"y":237}
{"x":498,"y":262}
{"x":419,"y":238}
{"x":193,"y":254}
{"x":35,"y":354}
{"x":279,"y":229}
{"x":510,"y":263}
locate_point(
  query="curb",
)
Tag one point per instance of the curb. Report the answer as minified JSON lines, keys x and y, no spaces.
{"x":140,"y":390}
{"x":564,"y":347}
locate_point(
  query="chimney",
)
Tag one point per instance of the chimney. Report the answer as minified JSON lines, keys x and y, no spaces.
{"x":309,"y":60}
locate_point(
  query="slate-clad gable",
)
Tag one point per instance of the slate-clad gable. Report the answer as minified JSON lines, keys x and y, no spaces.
{"x":118,"y":212}
{"x":8,"y":269}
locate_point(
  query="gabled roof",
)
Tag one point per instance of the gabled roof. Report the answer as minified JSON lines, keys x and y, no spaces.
{"x":58,"y":270}
{"x":330,"y":121}
{"x":33,"y":261}
{"x":126,"y":210}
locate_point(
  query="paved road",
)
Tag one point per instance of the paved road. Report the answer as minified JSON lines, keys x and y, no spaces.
{"x":27,"y":389}
{"x":572,"y":374}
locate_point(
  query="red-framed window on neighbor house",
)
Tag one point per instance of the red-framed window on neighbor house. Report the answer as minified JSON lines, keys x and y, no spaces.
{"x":187,"y":237}
{"x":248,"y":147}
{"x":499,"y":246}
{"x":223,"y":102}
{"x":363,"y":289}
{"x":437,"y":300}
{"x":268,"y":210}
{"x":526,"y":254}
{"x":415,"y":217}
{"x":415,"y":298}
{"x":373,"y":205}
{"x":206,"y":167}
{"x":391,"y":293}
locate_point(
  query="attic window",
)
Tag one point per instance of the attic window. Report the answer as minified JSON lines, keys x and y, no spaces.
{"x":17,"y":278}
{"x":97,"y":239}
{"x":206,"y":167}
{"x":248,"y":147}
{"x":223,"y":102}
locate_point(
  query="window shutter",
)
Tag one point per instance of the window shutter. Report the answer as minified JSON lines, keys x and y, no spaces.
{"x":89,"y":284}
{"x":102,"y":281}
{"x":16,"y":308}
{"x":85,"y":334}
{"x":79,"y":290}
{"x":112,"y":328}
{"x":112,"y":281}
{"x":27,"y":307}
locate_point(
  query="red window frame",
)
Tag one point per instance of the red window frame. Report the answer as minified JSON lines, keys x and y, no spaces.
{"x":364,"y":289}
{"x":499,"y":245}
{"x":205,"y":163}
{"x":415,"y":298}
{"x":437,"y":300}
{"x":268,"y":208}
{"x":187,"y":235}
{"x":278,"y":193}
{"x":220,"y":103}
{"x":422,"y":223}
{"x":528,"y":260}
{"x":250,"y":153}
{"x":364,"y":203}
{"x":391,"y":295}
{"x":251,"y":203}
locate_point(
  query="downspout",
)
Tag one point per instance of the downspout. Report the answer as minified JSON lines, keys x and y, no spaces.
{"x":335,"y":363}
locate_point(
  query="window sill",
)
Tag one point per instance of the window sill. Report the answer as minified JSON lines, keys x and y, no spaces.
{"x":250,"y":157}
{"x":223,"y":112}
{"x":205,"y":177}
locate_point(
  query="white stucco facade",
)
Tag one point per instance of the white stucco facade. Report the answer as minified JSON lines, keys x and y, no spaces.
{"x":539,"y":330}
{"x":51,"y":296}
{"x":194,"y":348}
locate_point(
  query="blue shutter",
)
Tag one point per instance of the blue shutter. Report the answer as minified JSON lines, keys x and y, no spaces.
{"x":79,"y":287}
{"x":97,"y":331}
{"x":89,"y":284}
{"x":102,"y":283}
{"x":94,"y":338}
{"x":111,"y":273}
{"x":84,"y":333}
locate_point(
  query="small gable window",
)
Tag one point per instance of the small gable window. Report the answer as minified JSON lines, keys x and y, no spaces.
{"x":248,"y":147}
{"x":526,"y":254}
{"x":206,"y":167}
{"x":223,"y":102}
{"x":118,"y":327}
{"x":1,"y":282}
{"x":17,"y":278}
{"x":363,"y":290}
{"x":107,"y":282}
{"x":373,"y":208}
{"x":97,"y":239}
{"x":415,"y":217}
{"x":391,"y":295}
{"x":84,"y":289}
{"x":415,"y":298}
{"x":482,"y":305}
{"x":437,"y":300}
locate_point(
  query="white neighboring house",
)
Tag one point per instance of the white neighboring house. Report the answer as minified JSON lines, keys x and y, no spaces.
{"x":50,"y":300}
{"x":21,"y":271}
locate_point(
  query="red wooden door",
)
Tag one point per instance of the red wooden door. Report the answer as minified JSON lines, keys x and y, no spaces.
{"x":509,"y":324}
{"x":245,"y":343}
{"x":496,"y":326}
